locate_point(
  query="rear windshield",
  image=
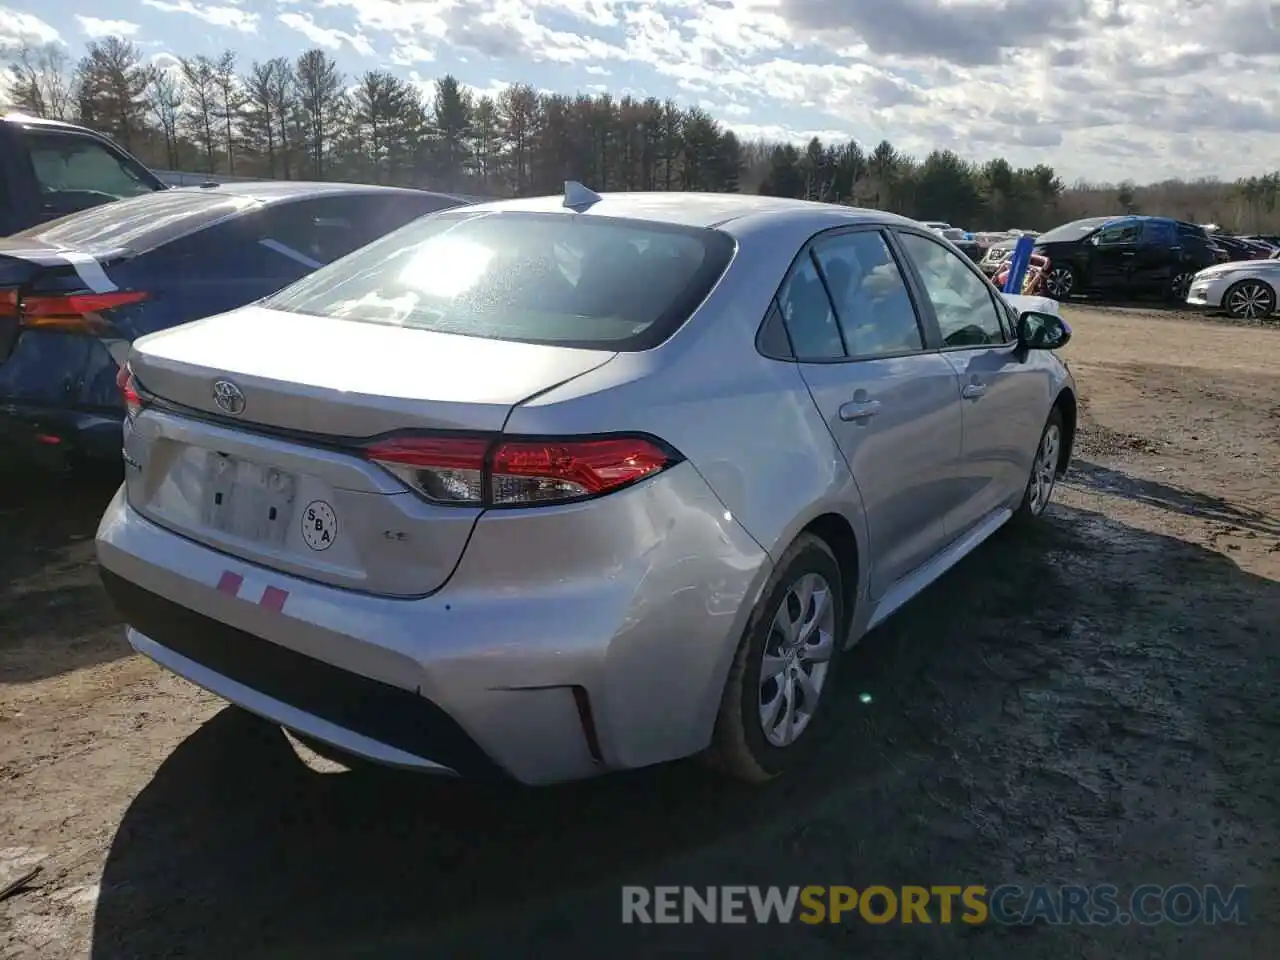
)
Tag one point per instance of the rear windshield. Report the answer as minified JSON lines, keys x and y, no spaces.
{"x":1074,"y":230}
{"x":141,"y":223}
{"x":568,"y":279}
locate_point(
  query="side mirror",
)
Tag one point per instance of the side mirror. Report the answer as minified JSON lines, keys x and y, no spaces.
{"x":1042,"y":331}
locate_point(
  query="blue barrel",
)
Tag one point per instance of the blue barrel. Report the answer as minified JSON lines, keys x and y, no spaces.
{"x":1018,"y":264}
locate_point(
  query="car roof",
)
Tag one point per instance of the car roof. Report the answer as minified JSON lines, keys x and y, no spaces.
{"x":27,"y":121}
{"x":274,"y":191}
{"x":694,"y":209}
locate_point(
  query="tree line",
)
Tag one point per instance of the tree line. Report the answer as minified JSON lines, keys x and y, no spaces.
{"x":303,"y":119}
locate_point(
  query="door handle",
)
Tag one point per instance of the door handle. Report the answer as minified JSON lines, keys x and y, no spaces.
{"x":972,"y":391}
{"x":859,"y":409}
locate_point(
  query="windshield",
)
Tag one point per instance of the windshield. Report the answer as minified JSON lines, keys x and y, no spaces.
{"x":1075,"y":230}
{"x":140,"y":223}
{"x":573,"y":280}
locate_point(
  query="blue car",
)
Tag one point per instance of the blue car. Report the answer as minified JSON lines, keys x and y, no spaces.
{"x":74,"y":293}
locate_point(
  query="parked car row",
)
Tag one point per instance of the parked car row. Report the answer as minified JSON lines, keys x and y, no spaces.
{"x":1123,"y":256}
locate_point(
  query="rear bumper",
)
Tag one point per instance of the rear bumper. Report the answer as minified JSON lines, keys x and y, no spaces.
{"x":519,"y":666}
{"x":58,"y":437}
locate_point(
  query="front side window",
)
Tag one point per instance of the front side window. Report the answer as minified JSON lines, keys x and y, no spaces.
{"x":962,"y":301}
{"x":1119,"y":233}
{"x":66,"y":163}
{"x":871,"y":299}
{"x":587,"y":281}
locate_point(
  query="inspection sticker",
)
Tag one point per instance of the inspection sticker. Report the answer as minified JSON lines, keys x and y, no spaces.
{"x":319,"y":525}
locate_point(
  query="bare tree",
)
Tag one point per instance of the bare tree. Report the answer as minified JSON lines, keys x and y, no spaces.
{"x":165,"y":98}
{"x":200,"y":107}
{"x":228,"y":102}
{"x":40,"y":81}
{"x":321,"y":105}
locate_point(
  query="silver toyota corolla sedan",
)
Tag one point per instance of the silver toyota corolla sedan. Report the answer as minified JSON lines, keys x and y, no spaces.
{"x":549,"y":487}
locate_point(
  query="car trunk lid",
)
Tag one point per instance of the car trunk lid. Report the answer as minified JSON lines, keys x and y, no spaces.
{"x":278,"y":477}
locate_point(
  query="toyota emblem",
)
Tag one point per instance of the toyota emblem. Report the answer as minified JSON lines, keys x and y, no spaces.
{"x":228,"y":397}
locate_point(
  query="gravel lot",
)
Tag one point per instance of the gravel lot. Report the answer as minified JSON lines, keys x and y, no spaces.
{"x":1095,"y":702}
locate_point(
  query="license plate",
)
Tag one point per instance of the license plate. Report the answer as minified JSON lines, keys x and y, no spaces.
{"x":247,"y":500}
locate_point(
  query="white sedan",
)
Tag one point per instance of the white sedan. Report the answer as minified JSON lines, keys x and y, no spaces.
{"x":1245,"y":289}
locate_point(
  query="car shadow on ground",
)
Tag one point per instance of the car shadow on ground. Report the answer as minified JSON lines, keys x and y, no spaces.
{"x":1054,"y":708}
{"x":54,"y":614}
{"x":1191,"y":503}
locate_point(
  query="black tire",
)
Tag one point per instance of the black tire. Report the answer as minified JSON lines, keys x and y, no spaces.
{"x":1035,"y":498}
{"x":1060,"y":282}
{"x":1250,"y":300}
{"x":740,"y":747}
{"x":1180,"y":284}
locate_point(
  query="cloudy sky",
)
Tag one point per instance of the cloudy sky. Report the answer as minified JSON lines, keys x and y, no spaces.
{"x":1101,"y":89}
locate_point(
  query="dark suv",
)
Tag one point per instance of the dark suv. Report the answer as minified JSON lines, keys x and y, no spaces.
{"x":1126,"y":256}
{"x":49,"y":169}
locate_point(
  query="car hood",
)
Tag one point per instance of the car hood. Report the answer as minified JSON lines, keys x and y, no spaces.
{"x":1219,"y":269}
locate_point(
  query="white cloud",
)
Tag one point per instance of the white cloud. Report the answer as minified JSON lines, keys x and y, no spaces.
{"x":19,"y":29}
{"x":1105,"y":89}
{"x":325,"y":37}
{"x":216,"y":15}
{"x":96,"y":29}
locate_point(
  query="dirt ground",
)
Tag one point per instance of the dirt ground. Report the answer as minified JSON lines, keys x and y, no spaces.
{"x":1094,"y":702}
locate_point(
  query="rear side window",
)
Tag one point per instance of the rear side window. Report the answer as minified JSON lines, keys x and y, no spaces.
{"x":142,"y":223}
{"x":327,"y":228}
{"x":806,"y":310}
{"x":1158,"y":233}
{"x":573,"y":280}
{"x":65,"y":162}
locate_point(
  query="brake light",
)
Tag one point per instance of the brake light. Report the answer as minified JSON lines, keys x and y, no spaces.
{"x":8,"y":303}
{"x":506,"y":472}
{"x":75,"y":312}
{"x":129,"y":392}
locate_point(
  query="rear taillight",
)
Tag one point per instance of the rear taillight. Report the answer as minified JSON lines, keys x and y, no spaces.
{"x":129,"y":392}
{"x":75,"y":312}
{"x":510,"y":472}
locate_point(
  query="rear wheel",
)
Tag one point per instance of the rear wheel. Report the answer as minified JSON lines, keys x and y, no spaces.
{"x":1250,"y":300}
{"x":1044,"y":470}
{"x":1180,"y":286}
{"x":1060,"y":283}
{"x":783,"y":667}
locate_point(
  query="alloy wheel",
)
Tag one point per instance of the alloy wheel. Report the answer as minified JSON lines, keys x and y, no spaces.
{"x":796,"y":660}
{"x":1060,"y":282}
{"x":1251,"y":301}
{"x":1044,"y":472}
{"x":1182,"y":286}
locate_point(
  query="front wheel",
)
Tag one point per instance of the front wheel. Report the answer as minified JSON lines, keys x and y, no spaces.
{"x":1180,"y":286}
{"x":1044,"y":470}
{"x":1250,"y":300}
{"x":783,"y":667}
{"x":1060,"y":282}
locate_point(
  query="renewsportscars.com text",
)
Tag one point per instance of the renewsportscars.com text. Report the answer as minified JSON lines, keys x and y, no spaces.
{"x":1007,"y":904}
